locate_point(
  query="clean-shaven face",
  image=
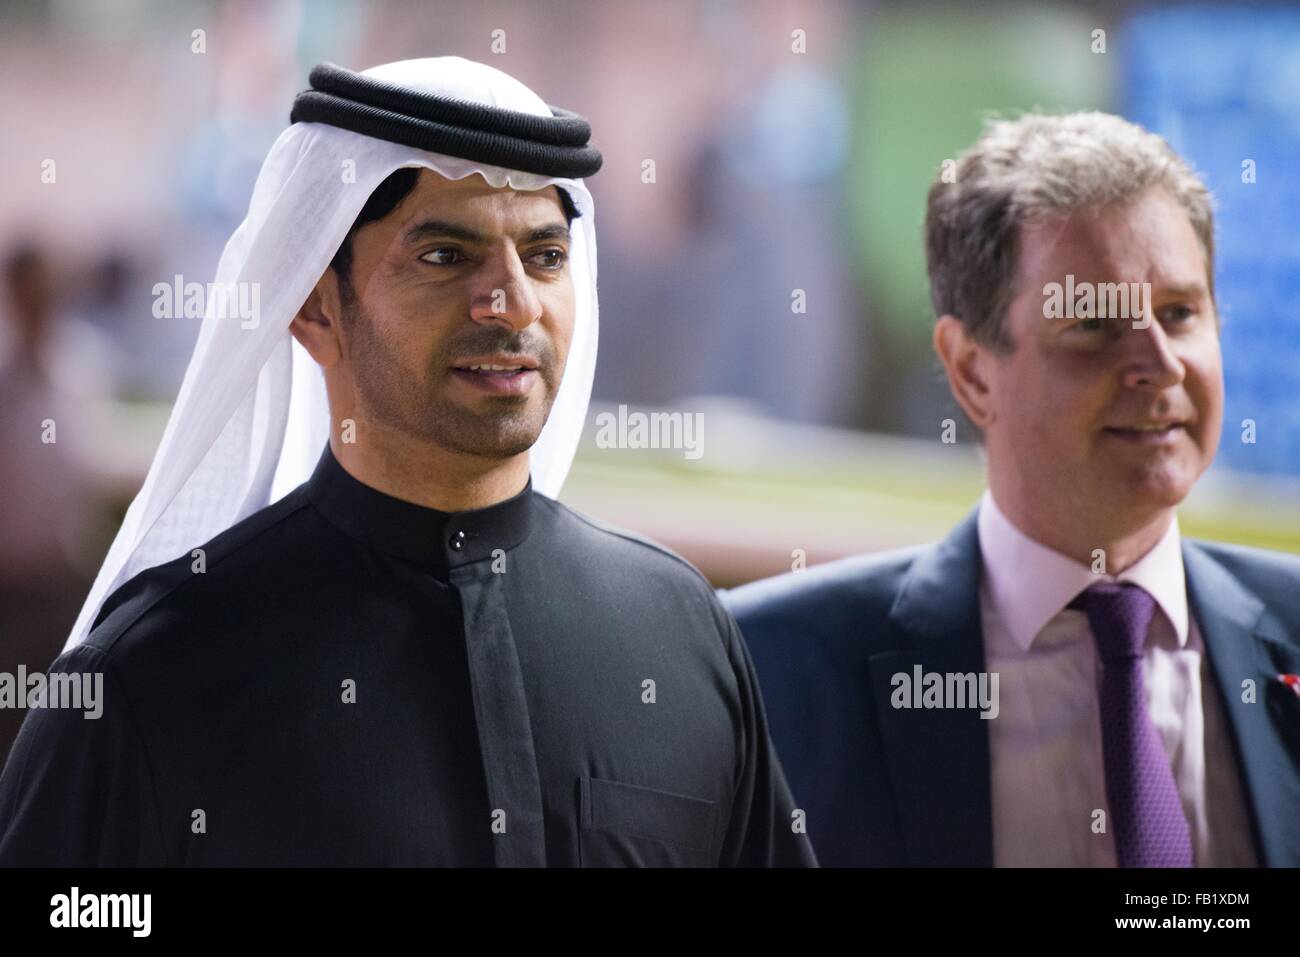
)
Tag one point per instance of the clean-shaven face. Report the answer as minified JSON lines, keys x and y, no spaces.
{"x":1092,"y":414}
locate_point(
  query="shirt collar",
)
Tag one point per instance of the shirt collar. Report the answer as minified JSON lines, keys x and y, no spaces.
{"x":1010,"y":557}
{"x":439,"y":541}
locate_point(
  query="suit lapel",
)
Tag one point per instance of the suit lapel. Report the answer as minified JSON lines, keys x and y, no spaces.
{"x":938,"y":759}
{"x":1244,"y":642}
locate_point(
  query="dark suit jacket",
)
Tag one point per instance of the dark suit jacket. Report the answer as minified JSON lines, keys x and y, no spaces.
{"x":890,"y":787}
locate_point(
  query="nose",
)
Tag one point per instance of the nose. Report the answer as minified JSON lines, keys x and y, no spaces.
{"x":503,"y":293}
{"x":1150,"y":361}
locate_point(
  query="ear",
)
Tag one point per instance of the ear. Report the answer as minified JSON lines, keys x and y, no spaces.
{"x":317,"y":324}
{"x":966,"y":363}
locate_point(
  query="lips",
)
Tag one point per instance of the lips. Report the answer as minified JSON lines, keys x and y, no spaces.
{"x":1155,"y":427}
{"x":1147,"y":433}
{"x":496,"y":363}
{"x":500,"y":375}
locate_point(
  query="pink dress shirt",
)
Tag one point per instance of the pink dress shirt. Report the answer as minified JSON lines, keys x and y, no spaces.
{"x":1045,"y":744}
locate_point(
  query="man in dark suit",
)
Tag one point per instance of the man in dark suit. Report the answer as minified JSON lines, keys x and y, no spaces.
{"x":1064,"y":680}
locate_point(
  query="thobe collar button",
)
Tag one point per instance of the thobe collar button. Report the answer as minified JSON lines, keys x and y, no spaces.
{"x":436,"y":540}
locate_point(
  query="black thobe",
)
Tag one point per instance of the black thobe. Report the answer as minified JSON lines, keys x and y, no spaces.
{"x":346,"y":678}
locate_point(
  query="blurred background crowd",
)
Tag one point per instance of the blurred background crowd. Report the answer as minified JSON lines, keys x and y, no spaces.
{"x":792,"y":146}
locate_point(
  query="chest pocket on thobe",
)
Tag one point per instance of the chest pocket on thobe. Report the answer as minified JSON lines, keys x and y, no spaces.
{"x":628,"y":825}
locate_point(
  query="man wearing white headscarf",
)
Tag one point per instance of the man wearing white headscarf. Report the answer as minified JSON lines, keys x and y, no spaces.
{"x":407,"y":653}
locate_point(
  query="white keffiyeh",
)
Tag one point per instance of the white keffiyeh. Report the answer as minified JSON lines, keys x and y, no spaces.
{"x":251,"y":418}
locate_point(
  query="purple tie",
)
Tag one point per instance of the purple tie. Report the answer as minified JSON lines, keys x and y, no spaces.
{"x":1147,"y":816}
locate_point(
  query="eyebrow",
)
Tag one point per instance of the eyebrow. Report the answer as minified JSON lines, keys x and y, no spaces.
{"x":446,"y":229}
{"x":1178,"y":290}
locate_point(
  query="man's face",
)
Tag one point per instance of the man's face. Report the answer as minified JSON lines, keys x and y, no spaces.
{"x":461,"y":277}
{"x":1094,"y":415}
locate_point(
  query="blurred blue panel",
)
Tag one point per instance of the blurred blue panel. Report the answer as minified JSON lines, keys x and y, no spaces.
{"x":1222,"y":84}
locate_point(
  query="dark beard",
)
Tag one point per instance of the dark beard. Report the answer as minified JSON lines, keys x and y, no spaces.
{"x":506,"y":425}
